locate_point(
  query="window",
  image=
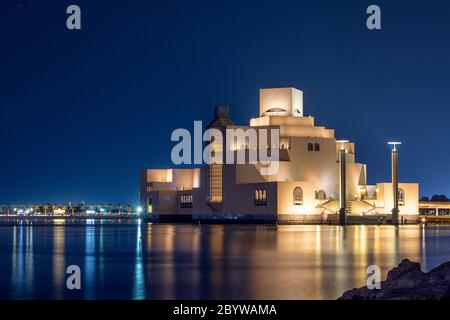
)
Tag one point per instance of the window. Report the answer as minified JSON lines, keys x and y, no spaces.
{"x":297,"y":196}
{"x":214,"y":183}
{"x":149,"y":205}
{"x":285,"y":143}
{"x":186,"y":200}
{"x":313,"y":147}
{"x":401,"y":197}
{"x":260,"y":197}
{"x":321,"y":195}
{"x":275,"y":111}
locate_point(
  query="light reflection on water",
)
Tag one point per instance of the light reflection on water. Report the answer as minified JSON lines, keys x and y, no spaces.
{"x":130,"y":260}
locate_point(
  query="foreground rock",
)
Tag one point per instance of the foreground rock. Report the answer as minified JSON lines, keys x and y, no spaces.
{"x":408,"y":282}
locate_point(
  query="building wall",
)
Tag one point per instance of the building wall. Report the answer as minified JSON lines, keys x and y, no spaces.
{"x":169,"y":179}
{"x":237,"y":198}
{"x":385,"y":201}
{"x":294,"y":126}
{"x":356,"y":179}
{"x":163,"y":201}
{"x":289,"y":99}
{"x":285,"y":197}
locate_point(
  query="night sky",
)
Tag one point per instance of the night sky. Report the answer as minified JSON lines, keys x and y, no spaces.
{"x":82,"y":112}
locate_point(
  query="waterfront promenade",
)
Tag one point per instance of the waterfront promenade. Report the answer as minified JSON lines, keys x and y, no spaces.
{"x":429,"y":212}
{"x":58,"y":211}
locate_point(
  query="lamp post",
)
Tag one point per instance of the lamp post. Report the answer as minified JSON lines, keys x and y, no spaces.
{"x":342,"y":184}
{"x":394,"y":156}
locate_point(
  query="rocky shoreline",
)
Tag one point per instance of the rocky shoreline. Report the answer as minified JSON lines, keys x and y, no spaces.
{"x":407,"y":281}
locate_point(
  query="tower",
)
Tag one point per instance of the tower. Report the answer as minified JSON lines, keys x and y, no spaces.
{"x":281,"y":102}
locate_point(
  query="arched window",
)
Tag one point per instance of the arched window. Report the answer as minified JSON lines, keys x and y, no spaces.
{"x":310,"y":147}
{"x":321,"y":195}
{"x":275,"y":111}
{"x":186,"y":201}
{"x":316,"y":147}
{"x":297,"y":196}
{"x":260,"y":197}
{"x":401,"y":197}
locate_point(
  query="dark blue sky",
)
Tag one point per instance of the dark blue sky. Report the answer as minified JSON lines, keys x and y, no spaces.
{"x":82,"y":112}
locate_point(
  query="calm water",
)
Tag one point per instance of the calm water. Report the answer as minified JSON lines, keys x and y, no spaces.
{"x":129,"y":260}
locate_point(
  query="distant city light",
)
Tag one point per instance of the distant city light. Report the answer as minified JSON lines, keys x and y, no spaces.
{"x":139,"y":209}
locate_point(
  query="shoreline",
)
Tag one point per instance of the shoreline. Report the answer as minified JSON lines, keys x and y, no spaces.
{"x":96,"y":217}
{"x":352,"y":221}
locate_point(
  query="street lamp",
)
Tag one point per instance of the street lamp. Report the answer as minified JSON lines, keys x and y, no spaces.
{"x":139,"y":209}
{"x":394,"y":157}
{"x":342,"y":183}
{"x":394,"y":144}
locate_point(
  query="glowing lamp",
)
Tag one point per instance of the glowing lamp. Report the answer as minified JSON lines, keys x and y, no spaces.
{"x":394,"y":144}
{"x":342,"y":142}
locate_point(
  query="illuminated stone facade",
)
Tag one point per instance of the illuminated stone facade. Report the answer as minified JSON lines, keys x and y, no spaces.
{"x":305,"y":188}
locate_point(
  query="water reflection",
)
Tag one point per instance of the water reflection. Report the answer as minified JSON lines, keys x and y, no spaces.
{"x":59,"y":268}
{"x":145,"y":261}
{"x":89,"y":261}
{"x":139,"y":279}
{"x":22,"y":262}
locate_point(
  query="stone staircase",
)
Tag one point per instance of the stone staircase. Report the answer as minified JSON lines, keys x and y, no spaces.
{"x":324,"y":207}
{"x":323,"y":204}
{"x":348,"y":207}
{"x":370,"y":210}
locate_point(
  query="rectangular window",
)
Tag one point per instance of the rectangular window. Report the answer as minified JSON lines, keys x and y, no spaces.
{"x":186,"y":200}
{"x":214,"y":183}
{"x":149,"y":205}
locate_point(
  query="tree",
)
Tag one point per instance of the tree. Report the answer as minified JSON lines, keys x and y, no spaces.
{"x":424,"y":199}
{"x":440,"y":198}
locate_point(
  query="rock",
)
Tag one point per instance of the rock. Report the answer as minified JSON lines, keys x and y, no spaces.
{"x":446,"y":295}
{"x":441,"y":272}
{"x":408,"y":282}
{"x":404,"y":268}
